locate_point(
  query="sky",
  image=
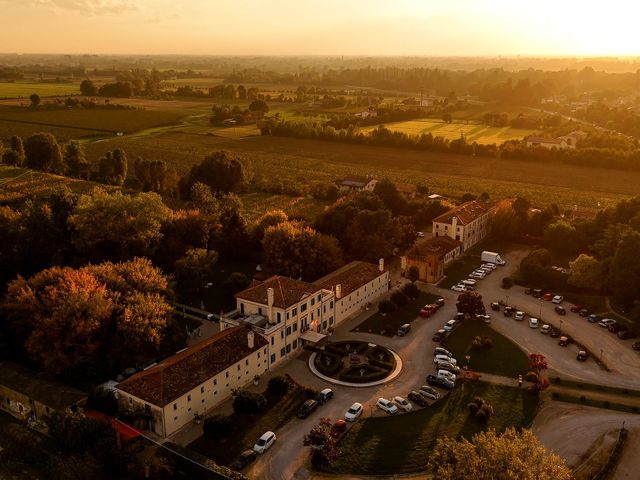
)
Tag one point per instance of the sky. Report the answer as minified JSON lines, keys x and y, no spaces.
{"x":322,"y":27}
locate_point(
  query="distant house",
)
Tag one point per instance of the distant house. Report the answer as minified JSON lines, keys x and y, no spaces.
{"x":549,"y":143}
{"x":358,"y":183}
{"x":574,"y":138}
{"x":194,"y":380}
{"x":33,"y":396}
{"x":469,"y":223}
{"x":370,"y":112}
{"x":407,"y":190}
{"x":431,"y":256}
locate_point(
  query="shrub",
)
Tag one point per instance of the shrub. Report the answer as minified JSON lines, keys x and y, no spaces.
{"x":370,"y":374}
{"x":218,"y":427}
{"x":481,"y":416}
{"x":248,"y":403}
{"x":410,"y":290}
{"x":399,"y":298}
{"x":507,"y":282}
{"x":278,"y":386}
{"x":386,"y":306}
{"x":327,"y":363}
{"x":531,"y":377}
{"x":480,"y":409}
{"x":482,"y":342}
{"x":473,"y":408}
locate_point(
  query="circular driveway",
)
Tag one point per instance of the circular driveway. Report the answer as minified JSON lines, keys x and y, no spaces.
{"x":335,"y":381}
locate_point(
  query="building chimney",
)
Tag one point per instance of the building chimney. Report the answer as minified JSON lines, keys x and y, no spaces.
{"x":454,"y":225}
{"x":250,"y":339}
{"x":381,"y":264}
{"x":338,"y":292}
{"x":270,"y":305}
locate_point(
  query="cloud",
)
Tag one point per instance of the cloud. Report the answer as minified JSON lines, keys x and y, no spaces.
{"x":90,"y":7}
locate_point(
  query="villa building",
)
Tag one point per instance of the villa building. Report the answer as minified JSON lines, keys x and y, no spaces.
{"x":431,"y":256}
{"x":468,"y":223}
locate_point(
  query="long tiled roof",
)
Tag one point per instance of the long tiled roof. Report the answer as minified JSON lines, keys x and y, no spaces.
{"x":466,"y":213}
{"x":350,"y":277}
{"x":438,"y":246}
{"x":184,"y":371}
{"x":286,"y":291}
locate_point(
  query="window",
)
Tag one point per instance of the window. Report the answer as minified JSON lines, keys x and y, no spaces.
{"x":273,"y":358}
{"x":281,"y":334}
{"x":226,"y":374}
{"x":202,"y":401}
{"x":265,"y":350}
{"x":215,"y":381}
{"x":246,"y":362}
{"x":282,"y":352}
{"x":331,"y":304}
{"x":188,"y":398}
{"x":295,"y":344}
{"x":258,"y":354}
{"x":295,"y":327}
{"x":289,"y":330}
{"x":242,"y":308}
{"x":189,"y":409}
{"x":278,"y":317}
{"x":287,"y":315}
{"x":201,"y":389}
{"x":238,"y":367}
{"x":175,"y":406}
{"x":319,"y":297}
{"x":313,"y":301}
{"x":272,"y":339}
{"x":303,"y":307}
{"x":294,"y":312}
{"x":288,"y":348}
{"x":175,"y":418}
{"x":324,"y":325}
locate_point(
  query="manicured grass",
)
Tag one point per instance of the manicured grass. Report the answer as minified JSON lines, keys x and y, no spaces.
{"x":388,"y":324}
{"x":247,"y":429}
{"x":504,"y":358}
{"x":24,"y":90}
{"x":402,"y":443}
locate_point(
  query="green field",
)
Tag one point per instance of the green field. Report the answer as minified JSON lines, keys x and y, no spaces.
{"x":472,"y":132}
{"x":24,"y":90}
{"x":402,"y":443}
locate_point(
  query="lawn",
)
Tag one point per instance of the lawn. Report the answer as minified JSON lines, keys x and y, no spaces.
{"x":504,"y":358}
{"x":388,"y":324}
{"x":249,"y":428}
{"x":25,"y":90}
{"x":402,"y":443}
{"x":472,"y":132}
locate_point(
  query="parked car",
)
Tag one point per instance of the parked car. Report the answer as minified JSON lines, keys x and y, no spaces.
{"x":593,"y":318}
{"x":560,"y":310}
{"x":425,"y":312}
{"x":444,"y":358}
{"x":536,"y":293}
{"x":429,"y":392}
{"x":442,"y":351}
{"x":584,"y":312}
{"x":439,"y":335}
{"x":519,"y":316}
{"x":508,"y":311}
{"x":477,"y":275}
{"x":485,"y":318}
{"x":557,"y":299}
{"x":554,"y":332}
{"x":606,"y":322}
{"x":404,"y":329}
{"x":440,"y":382}
{"x":564,"y":341}
{"x":418,"y":399}
{"x":459,"y":316}
{"x":582,"y":356}
{"x":448,"y":366}
{"x":491,"y":266}
{"x":244,"y":459}
{"x":616,"y":327}
{"x":528,"y":291}
{"x":440,"y":302}
{"x":627,"y":334}
{"x":354,"y":412}
{"x":468,"y":283}
{"x":547,"y":297}
{"x":447,"y":374}
{"x":420,"y":234}
{"x":576,"y":308}
{"x":459,"y":288}
{"x":545,"y":328}
{"x":533,"y":322}
{"x":495,"y":306}
{"x":307,"y":408}
{"x":449,"y":325}
{"x":636,"y":346}
{"x":386,"y":406}
{"x":324,"y":396}
{"x":265,"y":442}
{"x":402,"y":404}
{"x":338,"y":428}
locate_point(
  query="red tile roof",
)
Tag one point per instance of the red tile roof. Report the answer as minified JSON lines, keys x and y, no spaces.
{"x":438,"y":246}
{"x":350,"y":277}
{"x":184,"y":371}
{"x":466,"y":213}
{"x":286,"y":291}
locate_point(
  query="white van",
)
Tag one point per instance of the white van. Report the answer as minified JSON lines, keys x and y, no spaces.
{"x":533,"y":322}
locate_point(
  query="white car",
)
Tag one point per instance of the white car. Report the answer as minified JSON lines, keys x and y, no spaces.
{"x":448,"y":375}
{"x":442,"y":351}
{"x":449,"y":325}
{"x":429,"y":392}
{"x":264,"y":442}
{"x":420,"y":234}
{"x":557,"y":299}
{"x":459,"y":288}
{"x":487,"y":270}
{"x":402,"y":403}
{"x":387,"y":406}
{"x":533,"y":322}
{"x":490,"y":266}
{"x":485,"y":318}
{"x":519,"y":316}
{"x":606,"y":322}
{"x":448,"y":366}
{"x":477,"y":275}
{"x":545,"y":328}
{"x":354,"y":412}
{"x":444,"y":358}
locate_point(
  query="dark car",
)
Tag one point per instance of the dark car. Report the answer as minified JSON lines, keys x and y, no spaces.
{"x":554,"y":332}
{"x":495,"y":306}
{"x":324,"y":396}
{"x":440,"y":302}
{"x":439,"y":335}
{"x":307,"y":408}
{"x":508,"y":311}
{"x":560,"y":310}
{"x":528,"y":291}
{"x":439,"y":382}
{"x":616,"y":327}
{"x":459,"y":316}
{"x":627,"y":334}
{"x":582,"y":356}
{"x":244,"y":459}
{"x":593,"y":318}
{"x":536,"y":293}
{"x":636,"y":346}
{"x":418,"y":399}
{"x":576,"y":308}
{"x":584,"y":312}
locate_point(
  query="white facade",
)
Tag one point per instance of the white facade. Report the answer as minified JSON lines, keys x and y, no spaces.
{"x":474,"y":230}
{"x":357,"y":300}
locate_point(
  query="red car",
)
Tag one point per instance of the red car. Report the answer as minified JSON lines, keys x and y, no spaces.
{"x":429,"y":310}
{"x":576,"y":308}
{"x":547,"y":297}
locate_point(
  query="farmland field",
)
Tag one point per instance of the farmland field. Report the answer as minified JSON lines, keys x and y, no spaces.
{"x":24,"y":130}
{"x":472,"y":132}
{"x":304,"y":161}
{"x":24,"y":90}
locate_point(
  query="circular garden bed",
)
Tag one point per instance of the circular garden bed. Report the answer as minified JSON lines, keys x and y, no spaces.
{"x":355,"y":362}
